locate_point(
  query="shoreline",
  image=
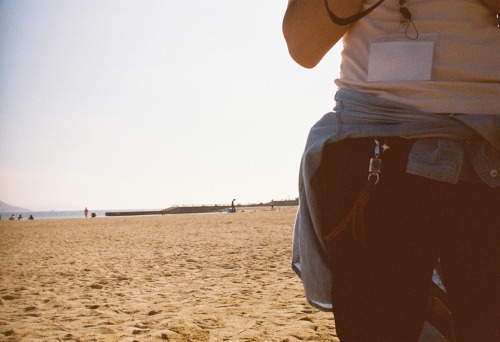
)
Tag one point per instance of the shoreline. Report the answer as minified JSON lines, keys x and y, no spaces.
{"x":181,"y":210}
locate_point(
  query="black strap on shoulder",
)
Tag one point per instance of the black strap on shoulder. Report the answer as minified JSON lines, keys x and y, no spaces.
{"x":351,"y":19}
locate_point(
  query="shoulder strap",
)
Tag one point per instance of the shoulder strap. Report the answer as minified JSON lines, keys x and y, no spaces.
{"x":351,"y":19}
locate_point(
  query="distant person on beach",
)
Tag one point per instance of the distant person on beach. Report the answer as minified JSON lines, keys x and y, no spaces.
{"x":233,"y":206}
{"x":405,"y":170}
{"x":31,"y":217}
{"x":86,"y":212}
{"x":20,"y":217}
{"x":12,"y":217}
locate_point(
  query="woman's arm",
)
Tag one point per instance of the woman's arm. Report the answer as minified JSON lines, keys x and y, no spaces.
{"x":493,"y":5}
{"x":308,"y":30}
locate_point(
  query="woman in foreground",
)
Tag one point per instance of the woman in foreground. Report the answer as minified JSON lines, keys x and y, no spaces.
{"x":405,"y":172}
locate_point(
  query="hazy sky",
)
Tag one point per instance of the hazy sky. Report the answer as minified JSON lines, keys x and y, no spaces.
{"x":147,"y":104}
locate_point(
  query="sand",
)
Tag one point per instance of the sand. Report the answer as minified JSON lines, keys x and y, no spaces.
{"x":205,"y":277}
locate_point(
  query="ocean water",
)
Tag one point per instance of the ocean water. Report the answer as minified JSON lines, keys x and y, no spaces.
{"x":70,"y":214}
{"x":52,"y":214}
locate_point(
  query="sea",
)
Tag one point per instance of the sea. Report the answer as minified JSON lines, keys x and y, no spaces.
{"x":54,"y":214}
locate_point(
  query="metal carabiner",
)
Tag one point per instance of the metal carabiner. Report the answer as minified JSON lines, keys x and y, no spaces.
{"x":376,"y":175}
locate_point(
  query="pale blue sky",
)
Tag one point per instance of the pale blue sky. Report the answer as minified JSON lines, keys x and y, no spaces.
{"x":147,"y":104}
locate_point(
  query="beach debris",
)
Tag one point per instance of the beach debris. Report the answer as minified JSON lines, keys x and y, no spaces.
{"x":96,"y":286}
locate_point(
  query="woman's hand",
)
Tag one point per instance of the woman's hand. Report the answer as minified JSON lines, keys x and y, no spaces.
{"x":308,"y":30}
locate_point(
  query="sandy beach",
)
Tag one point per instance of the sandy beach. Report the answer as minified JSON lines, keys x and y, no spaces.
{"x":204,"y":277}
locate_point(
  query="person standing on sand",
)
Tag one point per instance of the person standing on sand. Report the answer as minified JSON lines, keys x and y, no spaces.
{"x":86,"y":212}
{"x":405,"y":170}
{"x":233,"y":207}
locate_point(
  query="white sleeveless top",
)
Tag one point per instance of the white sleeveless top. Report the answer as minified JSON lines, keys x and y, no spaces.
{"x":452,"y":67}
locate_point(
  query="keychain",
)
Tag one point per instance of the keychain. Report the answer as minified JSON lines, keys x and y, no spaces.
{"x":354,"y":220}
{"x":375,"y":168}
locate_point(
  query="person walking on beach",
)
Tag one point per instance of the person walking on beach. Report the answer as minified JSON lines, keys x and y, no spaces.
{"x":404,"y":172}
{"x":86,"y":212}
{"x":233,"y":206}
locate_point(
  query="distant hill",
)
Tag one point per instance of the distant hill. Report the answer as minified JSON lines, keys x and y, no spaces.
{"x":4,"y":207}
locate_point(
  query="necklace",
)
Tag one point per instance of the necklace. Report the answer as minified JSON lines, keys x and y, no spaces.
{"x":352,"y":18}
{"x":406,"y":21}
